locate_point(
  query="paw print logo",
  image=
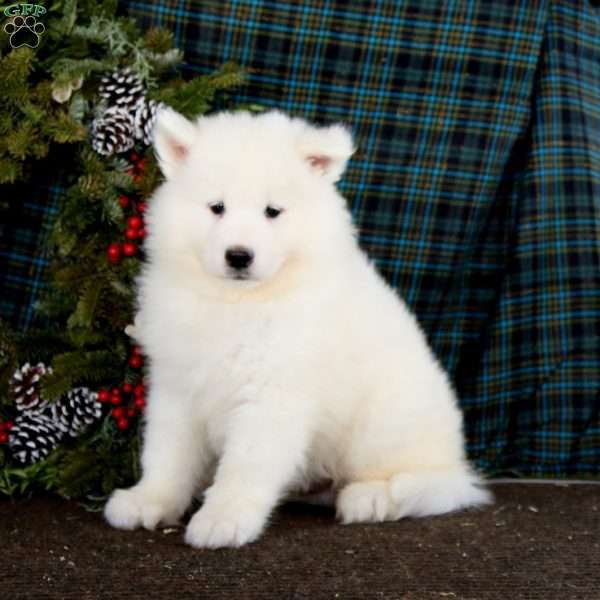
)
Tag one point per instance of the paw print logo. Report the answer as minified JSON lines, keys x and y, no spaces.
{"x":24,"y":31}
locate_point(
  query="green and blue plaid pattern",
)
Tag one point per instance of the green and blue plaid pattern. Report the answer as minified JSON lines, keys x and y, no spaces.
{"x":24,"y":227}
{"x":476,"y":186}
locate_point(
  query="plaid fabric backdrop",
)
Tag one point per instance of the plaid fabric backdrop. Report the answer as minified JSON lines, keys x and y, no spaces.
{"x":476,"y":186}
{"x":24,"y":227}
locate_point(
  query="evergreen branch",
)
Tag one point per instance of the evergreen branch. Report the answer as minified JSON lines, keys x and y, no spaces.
{"x":15,"y":67}
{"x":76,"y":274}
{"x":123,"y":290}
{"x":65,"y":70}
{"x":17,"y":144}
{"x":56,"y":385}
{"x":194,"y":97}
{"x":115,"y":35}
{"x":7,"y":119}
{"x":93,"y":186}
{"x":119,"y":179}
{"x":63,"y":26}
{"x":81,"y":368}
{"x":228,"y":76}
{"x":62,"y":128}
{"x":32,"y":112}
{"x":158,"y":40}
{"x":85,"y":338}
{"x":90,"y":294}
{"x":111,"y":210}
{"x":163,"y":60}
{"x":11,"y":170}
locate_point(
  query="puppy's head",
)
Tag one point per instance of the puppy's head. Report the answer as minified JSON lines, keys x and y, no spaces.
{"x":247,"y":195}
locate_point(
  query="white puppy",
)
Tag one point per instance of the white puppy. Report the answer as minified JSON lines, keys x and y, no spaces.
{"x":279,"y":358}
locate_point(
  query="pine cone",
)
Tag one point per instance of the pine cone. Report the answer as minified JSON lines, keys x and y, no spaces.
{"x":144,"y":119}
{"x":33,"y":437}
{"x":75,"y":411}
{"x":113,"y":132}
{"x":25,"y":388}
{"x":122,"y":89}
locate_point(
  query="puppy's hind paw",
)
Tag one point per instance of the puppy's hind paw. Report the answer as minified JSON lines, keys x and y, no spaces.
{"x":364,"y":502}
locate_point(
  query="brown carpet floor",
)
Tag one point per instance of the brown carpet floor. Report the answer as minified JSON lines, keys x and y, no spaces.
{"x":537,"y":541}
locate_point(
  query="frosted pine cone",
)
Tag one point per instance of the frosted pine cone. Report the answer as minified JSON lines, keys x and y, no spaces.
{"x":113,"y":132}
{"x":33,"y":437}
{"x":76,"y":410}
{"x":25,"y":387}
{"x":121,"y":89}
{"x":144,"y":119}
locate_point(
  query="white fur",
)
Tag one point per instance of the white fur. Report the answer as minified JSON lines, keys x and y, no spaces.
{"x":310,"y":370}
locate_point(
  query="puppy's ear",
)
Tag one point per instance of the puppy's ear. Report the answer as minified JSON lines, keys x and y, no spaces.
{"x":327,"y":150}
{"x":173,"y":137}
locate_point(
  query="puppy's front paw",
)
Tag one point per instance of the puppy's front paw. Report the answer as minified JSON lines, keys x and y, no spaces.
{"x":224,"y":527}
{"x":128,"y":509}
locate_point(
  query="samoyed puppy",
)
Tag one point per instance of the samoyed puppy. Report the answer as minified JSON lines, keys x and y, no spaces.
{"x":280,"y":361}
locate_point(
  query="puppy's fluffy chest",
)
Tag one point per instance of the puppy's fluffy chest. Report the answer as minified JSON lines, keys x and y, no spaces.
{"x":224,"y":345}
{"x":238,"y":354}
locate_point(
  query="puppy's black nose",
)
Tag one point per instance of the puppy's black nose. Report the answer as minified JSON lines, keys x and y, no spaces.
{"x":239,"y":257}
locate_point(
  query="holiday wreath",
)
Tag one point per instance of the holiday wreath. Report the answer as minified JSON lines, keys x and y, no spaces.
{"x":85,"y":97}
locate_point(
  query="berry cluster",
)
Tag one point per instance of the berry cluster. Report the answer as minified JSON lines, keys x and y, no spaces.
{"x":128,"y":399}
{"x":136,"y":170}
{"x":136,"y":360}
{"x":135,"y":231}
{"x":5,"y":427}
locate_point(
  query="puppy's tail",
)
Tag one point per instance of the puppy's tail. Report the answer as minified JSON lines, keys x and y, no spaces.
{"x":436,"y":492}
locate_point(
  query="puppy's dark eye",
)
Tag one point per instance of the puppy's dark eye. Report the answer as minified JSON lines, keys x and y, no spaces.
{"x":272,"y":213}
{"x":218,"y":208}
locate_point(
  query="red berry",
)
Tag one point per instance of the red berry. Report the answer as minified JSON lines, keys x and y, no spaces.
{"x":114,"y":253}
{"x":118,"y":413}
{"x":136,"y":350}
{"x":138,"y":390}
{"x":127,"y":388}
{"x":135,"y":361}
{"x":131,"y":234}
{"x":141,"y":206}
{"x":134,"y":222}
{"x":137,"y":177}
{"x":8,"y":425}
{"x":103,"y":396}
{"x":140,"y":402}
{"x":141,"y":233}
{"x":129,"y":249}
{"x":123,"y":423}
{"x":3,"y":437}
{"x":133,"y":157}
{"x":115,"y":396}
{"x":123,"y":201}
{"x":131,"y":412}
{"x":140,"y":164}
